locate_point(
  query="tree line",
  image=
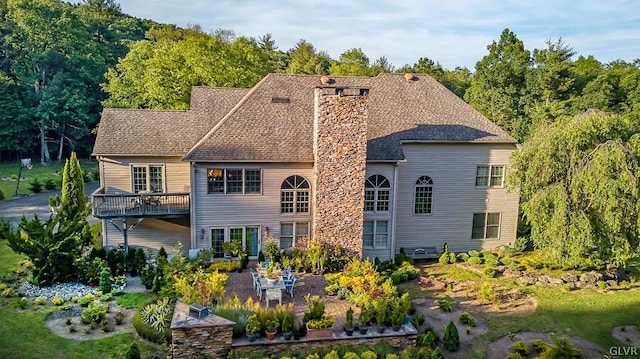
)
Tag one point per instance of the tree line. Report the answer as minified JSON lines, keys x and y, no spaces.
{"x":576,"y":117}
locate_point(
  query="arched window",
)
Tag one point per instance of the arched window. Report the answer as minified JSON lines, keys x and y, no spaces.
{"x":423,"y":198}
{"x":376,"y":194}
{"x":294,"y":195}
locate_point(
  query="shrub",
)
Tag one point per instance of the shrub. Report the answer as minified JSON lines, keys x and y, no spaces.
{"x":451,"y":338}
{"x":1,"y":195}
{"x":119,"y":317}
{"x":465,"y":318}
{"x":488,"y":272}
{"x":22,"y":303}
{"x":514,"y":356}
{"x":40,"y":300}
{"x":230,"y":266}
{"x":106,"y":297}
{"x":523,"y":244}
{"x":133,"y":352}
{"x":8,"y":292}
{"x":95,"y":313}
{"x":154,"y":314}
{"x":49,"y":184}
{"x":86,"y":300}
{"x":520,"y":347}
{"x":444,"y":258}
{"x":473,"y":253}
{"x":369,"y":354}
{"x":57,"y":300}
{"x":35,"y":185}
{"x":487,"y":292}
{"x":539,"y":345}
{"x":474,"y":260}
{"x":491,"y":259}
{"x":445,"y":304}
{"x":452,"y":258}
{"x":437,"y":354}
{"x":561,"y":348}
{"x":105,"y":280}
{"x":427,"y":340}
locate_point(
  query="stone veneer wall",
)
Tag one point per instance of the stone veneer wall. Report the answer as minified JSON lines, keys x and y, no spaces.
{"x":399,"y":342}
{"x":340,"y":149}
{"x":209,"y":337}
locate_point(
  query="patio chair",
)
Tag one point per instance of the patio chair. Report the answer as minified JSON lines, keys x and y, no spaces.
{"x":254,"y":277}
{"x":265,"y":264}
{"x":288,"y":285}
{"x":273,"y":294}
{"x":259,"y":289}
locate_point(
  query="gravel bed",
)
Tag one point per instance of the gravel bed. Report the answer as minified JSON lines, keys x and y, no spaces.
{"x":65,"y":290}
{"x":74,"y":312}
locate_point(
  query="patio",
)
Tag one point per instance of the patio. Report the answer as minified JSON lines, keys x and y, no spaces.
{"x":241,"y":285}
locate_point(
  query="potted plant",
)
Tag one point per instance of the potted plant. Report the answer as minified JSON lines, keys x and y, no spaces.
{"x":318,"y":326}
{"x":380,"y":306}
{"x":274,"y":272}
{"x":348,"y":322}
{"x":363,"y":319}
{"x":271,"y":249}
{"x":271,"y":328}
{"x":287,"y":326}
{"x":252,"y":328}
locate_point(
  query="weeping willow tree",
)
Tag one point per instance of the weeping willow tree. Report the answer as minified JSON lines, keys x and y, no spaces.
{"x":579,"y":183}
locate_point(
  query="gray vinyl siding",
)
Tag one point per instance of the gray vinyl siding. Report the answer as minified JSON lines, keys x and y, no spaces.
{"x":236,"y":210}
{"x":387,"y":170}
{"x":452,"y":167}
{"x":151,"y":233}
{"x":116,"y":172}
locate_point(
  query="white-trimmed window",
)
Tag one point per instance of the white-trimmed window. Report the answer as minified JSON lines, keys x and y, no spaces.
{"x":375,"y":234}
{"x":248,"y":235}
{"x":489,"y":176}
{"x":486,"y":226}
{"x":423,"y":196}
{"x":291,"y":232}
{"x":376,"y":194}
{"x":233,"y":180}
{"x":147,"y":178}
{"x":294,"y":195}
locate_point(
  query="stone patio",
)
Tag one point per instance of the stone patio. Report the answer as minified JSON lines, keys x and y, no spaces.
{"x":241,"y":284}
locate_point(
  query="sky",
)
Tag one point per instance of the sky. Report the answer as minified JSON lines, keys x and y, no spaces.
{"x":450,"y":32}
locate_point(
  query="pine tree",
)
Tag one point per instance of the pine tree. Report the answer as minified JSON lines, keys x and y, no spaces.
{"x":451,"y":337}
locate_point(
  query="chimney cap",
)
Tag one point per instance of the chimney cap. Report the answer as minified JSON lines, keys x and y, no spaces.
{"x":409,"y":77}
{"x":325,"y":79}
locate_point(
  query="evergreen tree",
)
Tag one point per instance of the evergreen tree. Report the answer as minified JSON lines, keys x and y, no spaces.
{"x":133,"y":352}
{"x":451,"y":338}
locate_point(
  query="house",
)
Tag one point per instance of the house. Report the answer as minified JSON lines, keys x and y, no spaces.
{"x":373,"y":164}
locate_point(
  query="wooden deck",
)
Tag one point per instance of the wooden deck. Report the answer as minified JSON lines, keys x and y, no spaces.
{"x":106,"y":205}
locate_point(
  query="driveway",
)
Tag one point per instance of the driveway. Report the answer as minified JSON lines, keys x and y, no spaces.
{"x":38,"y":203}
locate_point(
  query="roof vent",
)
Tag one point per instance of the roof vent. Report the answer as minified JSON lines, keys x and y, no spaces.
{"x":280,"y":100}
{"x":198,"y":311}
{"x":409,"y":77}
{"x":325,"y":79}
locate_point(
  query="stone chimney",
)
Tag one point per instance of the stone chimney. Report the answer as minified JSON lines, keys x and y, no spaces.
{"x":340,"y":154}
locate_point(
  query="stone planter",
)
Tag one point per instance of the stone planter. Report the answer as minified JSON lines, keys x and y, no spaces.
{"x":363,"y":329}
{"x":287,"y":335}
{"x":381,"y":329}
{"x":348,"y":331}
{"x":322,"y":333}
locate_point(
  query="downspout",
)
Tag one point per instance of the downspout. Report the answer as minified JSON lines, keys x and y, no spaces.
{"x":395,"y":210}
{"x":192,"y":206}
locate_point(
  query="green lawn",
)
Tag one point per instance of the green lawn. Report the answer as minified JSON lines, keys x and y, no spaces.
{"x":9,"y":174}
{"x":25,"y":335}
{"x":586,"y":313}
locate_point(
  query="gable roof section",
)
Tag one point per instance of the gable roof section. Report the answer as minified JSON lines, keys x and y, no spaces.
{"x":274,"y":121}
{"x":163,"y":132}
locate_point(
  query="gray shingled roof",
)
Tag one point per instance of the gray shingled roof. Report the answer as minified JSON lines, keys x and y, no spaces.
{"x":164,"y":132}
{"x":259,"y":129}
